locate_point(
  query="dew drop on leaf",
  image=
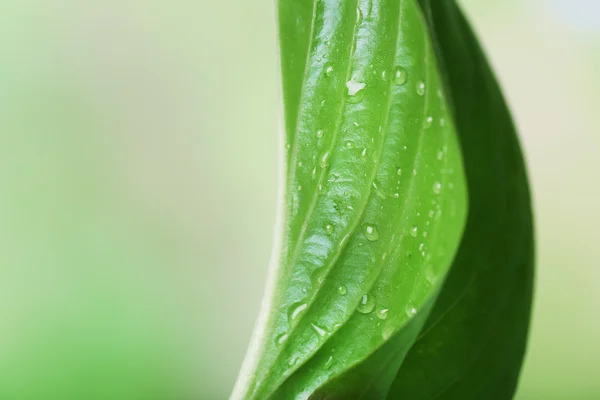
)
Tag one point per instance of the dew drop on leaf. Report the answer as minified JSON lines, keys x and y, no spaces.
{"x":382,"y":313}
{"x":356,"y":91}
{"x":320,"y":133}
{"x":329,"y":70}
{"x":371,"y":232}
{"x":428,"y":122}
{"x":342,"y":290}
{"x":325,"y":160}
{"x":320,"y":331}
{"x":411,"y":311}
{"x":437,"y":188}
{"x":367,"y":304}
{"x":293,"y":361}
{"x":328,"y":362}
{"x":329,"y":229}
{"x":400,"y":76}
{"x":388,"y":331}
{"x":421,"y":88}
{"x":414,"y":231}
{"x":384,"y":75}
{"x":298,"y":310}
{"x":280,"y":339}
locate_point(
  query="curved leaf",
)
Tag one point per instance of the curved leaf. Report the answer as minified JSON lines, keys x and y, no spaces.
{"x":374,"y":201}
{"x":473,"y":343}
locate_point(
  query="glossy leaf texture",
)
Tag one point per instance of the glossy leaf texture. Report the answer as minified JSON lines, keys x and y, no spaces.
{"x":374,"y":203}
{"x":473,"y":343}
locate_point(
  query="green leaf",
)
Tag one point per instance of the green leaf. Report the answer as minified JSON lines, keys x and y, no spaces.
{"x":473,"y":343}
{"x":373,"y":201}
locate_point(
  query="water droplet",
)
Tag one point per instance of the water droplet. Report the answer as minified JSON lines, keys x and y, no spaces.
{"x":329,"y":70}
{"x":411,"y":311}
{"x":378,"y":192}
{"x":328,"y":363}
{"x":396,"y":195}
{"x":399,"y":171}
{"x":288,"y":146}
{"x":437,"y":188}
{"x":421,"y":88}
{"x":325,"y":160}
{"x":431,"y":275}
{"x":299,"y":188}
{"x":414,"y":231}
{"x":281,"y":338}
{"x":298,"y":310}
{"x":342,"y":290}
{"x":314,"y":173}
{"x":371,"y":232}
{"x":318,"y":276}
{"x":388,"y":331}
{"x":294,"y":360}
{"x":349,"y":145}
{"x":329,"y":229}
{"x":428,"y":121}
{"x":320,"y":331}
{"x":364,"y":152}
{"x":356,"y":91}
{"x":384,"y":75}
{"x":300,"y":164}
{"x":320,"y":133}
{"x":382,"y":313}
{"x":400,"y":76}
{"x":367,"y":304}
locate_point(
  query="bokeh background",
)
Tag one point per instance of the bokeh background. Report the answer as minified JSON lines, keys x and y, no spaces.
{"x":138,"y":183}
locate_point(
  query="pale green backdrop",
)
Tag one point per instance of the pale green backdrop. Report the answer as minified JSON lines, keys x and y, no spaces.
{"x":137,"y":190}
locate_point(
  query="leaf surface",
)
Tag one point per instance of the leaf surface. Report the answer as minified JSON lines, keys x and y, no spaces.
{"x":374,"y":201}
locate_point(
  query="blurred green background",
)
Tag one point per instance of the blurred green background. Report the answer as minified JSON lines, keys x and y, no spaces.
{"x":138,"y":182}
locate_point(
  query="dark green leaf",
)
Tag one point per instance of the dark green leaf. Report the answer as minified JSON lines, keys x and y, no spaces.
{"x":473,"y":343}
